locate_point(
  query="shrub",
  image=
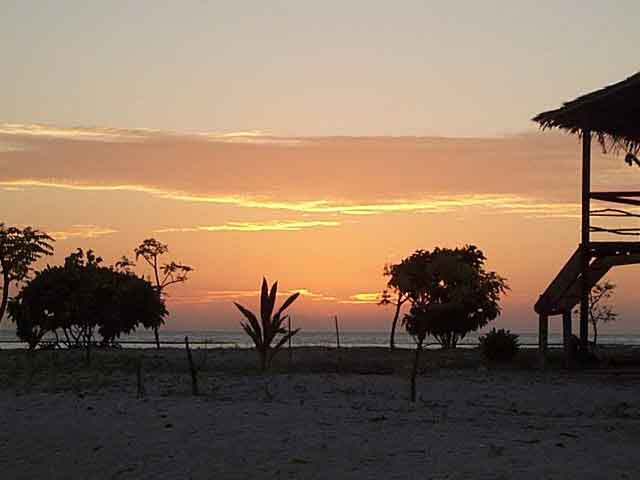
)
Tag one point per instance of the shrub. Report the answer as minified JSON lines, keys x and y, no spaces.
{"x":500,"y":345}
{"x":263,"y":332}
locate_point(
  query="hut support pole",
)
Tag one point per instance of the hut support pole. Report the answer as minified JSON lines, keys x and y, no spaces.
{"x":566,"y":336}
{"x":585,"y":251}
{"x":543,"y":333}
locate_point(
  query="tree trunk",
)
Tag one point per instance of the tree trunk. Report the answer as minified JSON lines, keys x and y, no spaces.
{"x":89,"y":350}
{"x":155,"y":332}
{"x":392,"y":340}
{"x":5,"y":292}
{"x":414,"y":372}
{"x":263,"y":360}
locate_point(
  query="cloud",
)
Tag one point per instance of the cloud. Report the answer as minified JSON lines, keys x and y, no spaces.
{"x":211,"y":296}
{"x":504,"y":203}
{"x":79,"y":133}
{"x":355,"y":170}
{"x":110,"y":135}
{"x":274,"y":226}
{"x":81,"y":231}
{"x":362,"y":298}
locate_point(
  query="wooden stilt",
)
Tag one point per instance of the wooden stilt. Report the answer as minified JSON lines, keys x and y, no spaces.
{"x":543,"y":333}
{"x":566,"y":337}
{"x":585,"y":251}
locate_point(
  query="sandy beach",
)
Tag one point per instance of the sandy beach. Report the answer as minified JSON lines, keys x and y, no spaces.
{"x":467,"y":423}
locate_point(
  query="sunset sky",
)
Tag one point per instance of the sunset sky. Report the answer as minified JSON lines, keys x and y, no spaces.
{"x":311,"y":142}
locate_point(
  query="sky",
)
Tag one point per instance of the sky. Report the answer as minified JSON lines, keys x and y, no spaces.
{"x":311,"y":142}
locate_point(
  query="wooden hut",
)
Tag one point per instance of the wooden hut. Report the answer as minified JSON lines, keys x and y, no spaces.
{"x":612,"y":117}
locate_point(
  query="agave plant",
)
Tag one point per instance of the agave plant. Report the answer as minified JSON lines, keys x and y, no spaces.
{"x":264,"y":332}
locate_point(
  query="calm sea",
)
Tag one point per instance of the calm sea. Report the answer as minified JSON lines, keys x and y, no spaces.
{"x":217,"y":339}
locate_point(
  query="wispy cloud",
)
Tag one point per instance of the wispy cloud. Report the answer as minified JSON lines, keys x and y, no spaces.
{"x":105,"y":134}
{"x":78,"y":133}
{"x":211,"y":296}
{"x":81,"y":231}
{"x":501,"y":203}
{"x":274,"y":226}
{"x":360,"y":298}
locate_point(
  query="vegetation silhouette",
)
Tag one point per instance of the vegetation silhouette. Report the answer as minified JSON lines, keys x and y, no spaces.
{"x":397,"y":291}
{"x":164,"y":275}
{"x":455,"y":280}
{"x":451,"y":294}
{"x":264,"y":332}
{"x":75,"y":301}
{"x":19,"y":249}
{"x":599,"y":311}
{"x":499,"y":345}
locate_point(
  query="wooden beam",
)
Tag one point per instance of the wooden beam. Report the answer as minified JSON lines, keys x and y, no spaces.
{"x":560,"y":284}
{"x":586,"y":256}
{"x":614,"y":197}
{"x":616,"y":194}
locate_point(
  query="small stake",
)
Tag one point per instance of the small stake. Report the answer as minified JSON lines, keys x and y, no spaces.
{"x":141,"y":391}
{"x":290,"y":351}
{"x":192,"y":368}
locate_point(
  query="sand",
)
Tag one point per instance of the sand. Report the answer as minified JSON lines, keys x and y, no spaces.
{"x":468,"y":423}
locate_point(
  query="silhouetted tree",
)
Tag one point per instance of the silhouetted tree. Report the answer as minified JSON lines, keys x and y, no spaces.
{"x":83,"y":297}
{"x":397,"y":291}
{"x":264,"y":332}
{"x":456,"y":281}
{"x":599,"y":311}
{"x":164,"y":275}
{"x":19,"y":249}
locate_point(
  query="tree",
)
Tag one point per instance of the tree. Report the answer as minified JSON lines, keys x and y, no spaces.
{"x":76,"y":300}
{"x":264,"y":332}
{"x":164,"y":275}
{"x":599,"y":311}
{"x":19,"y":249}
{"x":456,"y":281}
{"x":397,"y":291}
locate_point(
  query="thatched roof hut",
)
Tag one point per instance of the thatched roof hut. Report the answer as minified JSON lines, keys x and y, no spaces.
{"x":611,"y":114}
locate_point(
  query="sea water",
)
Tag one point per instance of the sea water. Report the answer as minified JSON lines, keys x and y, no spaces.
{"x":230,"y":338}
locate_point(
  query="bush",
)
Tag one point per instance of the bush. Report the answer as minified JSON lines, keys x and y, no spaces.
{"x":499,"y":346}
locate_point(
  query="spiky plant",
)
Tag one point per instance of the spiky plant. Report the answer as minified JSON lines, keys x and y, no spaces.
{"x":263,"y":332}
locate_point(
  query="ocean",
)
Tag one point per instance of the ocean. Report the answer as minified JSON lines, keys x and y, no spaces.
{"x":227,"y":339}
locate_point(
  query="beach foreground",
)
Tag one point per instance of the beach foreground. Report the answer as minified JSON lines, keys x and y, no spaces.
{"x":73,"y":421}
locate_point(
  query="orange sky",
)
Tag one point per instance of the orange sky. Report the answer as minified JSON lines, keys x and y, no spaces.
{"x":319,"y":214}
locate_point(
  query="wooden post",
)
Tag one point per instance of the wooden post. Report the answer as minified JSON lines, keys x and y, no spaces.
{"x":543,"y":333}
{"x":192,"y":369}
{"x":566,"y":337}
{"x":141,"y":391}
{"x":585,"y":250}
{"x":289,"y":327}
{"x":337,"y":331}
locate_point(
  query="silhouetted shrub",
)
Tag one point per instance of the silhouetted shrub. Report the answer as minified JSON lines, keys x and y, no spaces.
{"x":264,"y":331}
{"x":500,"y":345}
{"x":75,"y":301}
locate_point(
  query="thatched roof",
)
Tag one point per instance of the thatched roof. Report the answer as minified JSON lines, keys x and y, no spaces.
{"x":612,"y":114}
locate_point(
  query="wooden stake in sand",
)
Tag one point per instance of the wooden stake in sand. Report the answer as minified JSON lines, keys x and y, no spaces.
{"x":192,"y":368}
{"x":335,"y":317}
{"x":141,"y":392}
{"x":289,"y":327}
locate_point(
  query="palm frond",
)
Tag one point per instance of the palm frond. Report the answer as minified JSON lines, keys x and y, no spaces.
{"x":251,"y":317}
